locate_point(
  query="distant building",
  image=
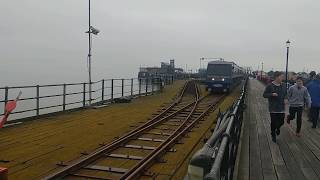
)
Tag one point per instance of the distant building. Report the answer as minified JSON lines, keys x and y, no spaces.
{"x":166,"y":69}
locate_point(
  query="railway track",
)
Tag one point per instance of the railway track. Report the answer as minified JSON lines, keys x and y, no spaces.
{"x":129,"y":156}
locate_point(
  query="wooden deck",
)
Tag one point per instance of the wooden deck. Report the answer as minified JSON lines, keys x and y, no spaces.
{"x":32,"y":149}
{"x":296,"y":158}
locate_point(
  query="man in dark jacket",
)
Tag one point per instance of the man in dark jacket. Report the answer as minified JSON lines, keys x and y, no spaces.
{"x":314,"y":91}
{"x":276,"y":93}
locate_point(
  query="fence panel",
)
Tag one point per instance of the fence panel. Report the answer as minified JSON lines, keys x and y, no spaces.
{"x":44,"y":99}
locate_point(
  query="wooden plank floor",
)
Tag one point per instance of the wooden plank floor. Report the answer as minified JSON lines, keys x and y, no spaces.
{"x":292,"y":157}
{"x":32,"y":149}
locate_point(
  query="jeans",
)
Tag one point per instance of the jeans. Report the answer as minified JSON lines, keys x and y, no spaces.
{"x":292,"y":114}
{"x":277,"y":120}
{"x":314,"y":115}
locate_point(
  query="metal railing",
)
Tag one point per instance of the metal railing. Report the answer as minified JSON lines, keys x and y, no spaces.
{"x":38,"y":100}
{"x":216,"y":159}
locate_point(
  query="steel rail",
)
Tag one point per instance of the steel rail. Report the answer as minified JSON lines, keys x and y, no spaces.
{"x":107,"y":148}
{"x":139,"y":166}
{"x":175,"y":102}
{"x":147,"y":161}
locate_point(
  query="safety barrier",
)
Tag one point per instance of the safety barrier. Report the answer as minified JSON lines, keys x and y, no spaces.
{"x":216,"y":159}
{"x":38,"y":100}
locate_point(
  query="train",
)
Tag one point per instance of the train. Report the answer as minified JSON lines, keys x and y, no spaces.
{"x":223,"y":76}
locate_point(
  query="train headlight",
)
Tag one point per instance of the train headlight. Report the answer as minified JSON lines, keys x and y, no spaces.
{"x":212,"y":79}
{"x":222,"y":79}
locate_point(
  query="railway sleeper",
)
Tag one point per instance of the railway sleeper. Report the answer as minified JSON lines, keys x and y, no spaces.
{"x":146,"y":147}
{"x":159,"y":133}
{"x":164,"y":128}
{"x":171,"y":124}
{"x":185,"y":112}
{"x":179,"y":141}
{"x":106,"y":169}
{"x":124,"y":156}
{"x":149,"y":174}
{"x":150,"y":139}
{"x":175,"y":120}
{"x":161,"y":160}
{"x":88,"y":176}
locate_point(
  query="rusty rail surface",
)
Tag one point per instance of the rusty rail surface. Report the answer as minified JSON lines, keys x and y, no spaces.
{"x":180,"y":116}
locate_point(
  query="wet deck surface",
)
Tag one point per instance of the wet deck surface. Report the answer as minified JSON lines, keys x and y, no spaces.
{"x":291,"y":157}
{"x":32,"y":149}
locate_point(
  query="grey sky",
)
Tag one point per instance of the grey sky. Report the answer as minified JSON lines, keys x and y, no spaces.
{"x":43,"y":41}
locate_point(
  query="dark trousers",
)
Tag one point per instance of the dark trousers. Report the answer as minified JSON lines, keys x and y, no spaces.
{"x":314,"y":115}
{"x":292,"y":114}
{"x":277,"y":120}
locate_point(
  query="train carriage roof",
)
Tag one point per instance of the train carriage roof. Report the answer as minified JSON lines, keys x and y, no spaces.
{"x":221,"y":62}
{"x":226,"y":62}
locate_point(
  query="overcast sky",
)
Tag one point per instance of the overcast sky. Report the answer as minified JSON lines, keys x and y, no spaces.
{"x":43,"y":41}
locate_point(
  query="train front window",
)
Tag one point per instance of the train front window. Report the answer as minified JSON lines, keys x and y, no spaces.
{"x":219,"y":69}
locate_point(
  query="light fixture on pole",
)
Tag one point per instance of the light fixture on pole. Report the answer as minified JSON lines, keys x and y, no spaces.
{"x":91,"y":30}
{"x":287,"y":62}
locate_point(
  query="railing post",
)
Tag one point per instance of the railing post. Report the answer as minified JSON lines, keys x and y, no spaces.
{"x":152,"y":81}
{"x":140,"y":86}
{"x":102,"y":90}
{"x":111,"y":90}
{"x":165,"y":80}
{"x":146,"y":86}
{"x":6,"y":95}
{"x":64,"y":97}
{"x":122,"y":87}
{"x":161,"y":84}
{"x":131,"y":86}
{"x":84,"y":95}
{"x":38,"y":99}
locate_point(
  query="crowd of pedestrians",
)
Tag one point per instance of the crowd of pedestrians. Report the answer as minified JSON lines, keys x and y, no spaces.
{"x":298,"y":97}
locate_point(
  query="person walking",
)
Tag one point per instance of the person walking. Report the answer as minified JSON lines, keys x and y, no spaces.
{"x":314,"y":90}
{"x":276,"y":93}
{"x":298,"y":96}
{"x":312,"y":76}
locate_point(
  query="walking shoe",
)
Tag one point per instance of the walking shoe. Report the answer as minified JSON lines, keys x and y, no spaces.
{"x":277,"y":132}
{"x":313,"y":127}
{"x":274,"y":138}
{"x":298,"y":134}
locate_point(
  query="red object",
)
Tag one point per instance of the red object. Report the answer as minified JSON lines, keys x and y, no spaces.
{"x":7,"y":110}
{"x":3,"y":119}
{"x":3,"y":173}
{"x":10,"y":106}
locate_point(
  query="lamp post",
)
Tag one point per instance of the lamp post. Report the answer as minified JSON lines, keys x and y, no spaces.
{"x":91,"y":30}
{"x":287,"y":62}
{"x":261,"y":69}
{"x":200,"y":71}
{"x":201,"y":59}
